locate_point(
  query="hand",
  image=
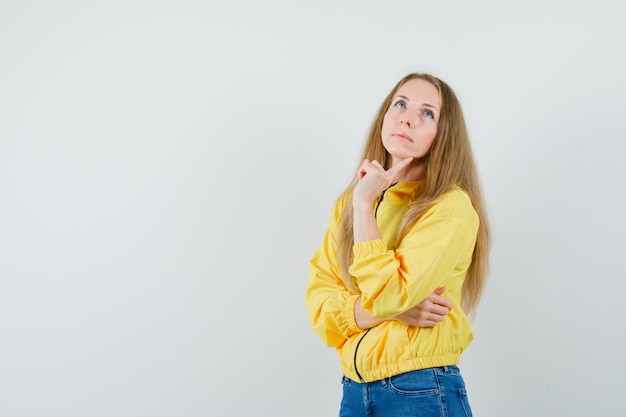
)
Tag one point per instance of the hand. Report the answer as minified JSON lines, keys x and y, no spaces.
{"x":364,"y":319}
{"x":373,"y":180}
{"x":429,"y":312}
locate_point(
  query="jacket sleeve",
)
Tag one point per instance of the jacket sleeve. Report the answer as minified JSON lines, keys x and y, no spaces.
{"x":330,"y":304}
{"x":393,"y":281}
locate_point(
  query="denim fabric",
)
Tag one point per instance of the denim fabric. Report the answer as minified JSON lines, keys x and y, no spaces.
{"x":431,"y":392}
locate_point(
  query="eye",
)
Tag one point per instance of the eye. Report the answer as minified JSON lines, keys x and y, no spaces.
{"x":400,"y":103}
{"x":429,"y":114}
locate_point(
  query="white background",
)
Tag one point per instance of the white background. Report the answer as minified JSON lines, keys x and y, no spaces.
{"x":167,"y":169}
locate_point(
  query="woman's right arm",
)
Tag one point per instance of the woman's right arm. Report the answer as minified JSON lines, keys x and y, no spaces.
{"x":335,"y":312}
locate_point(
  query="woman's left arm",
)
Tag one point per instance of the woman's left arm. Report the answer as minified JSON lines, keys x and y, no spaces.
{"x":426,"y":314}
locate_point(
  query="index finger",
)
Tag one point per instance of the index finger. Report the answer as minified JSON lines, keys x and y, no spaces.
{"x":401,"y":165}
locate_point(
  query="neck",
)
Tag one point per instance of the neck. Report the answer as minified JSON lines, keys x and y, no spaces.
{"x":414,"y":172}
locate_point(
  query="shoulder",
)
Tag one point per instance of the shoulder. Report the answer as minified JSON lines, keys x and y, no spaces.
{"x":338,"y":207}
{"x":456,"y":196}
{"x":455,"y":202}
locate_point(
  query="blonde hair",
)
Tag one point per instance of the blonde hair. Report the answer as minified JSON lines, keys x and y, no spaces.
{"x":450,"y":162}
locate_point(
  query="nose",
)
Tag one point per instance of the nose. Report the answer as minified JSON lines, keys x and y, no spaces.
{"x":409,"y":117}
{"x":405,"y":119}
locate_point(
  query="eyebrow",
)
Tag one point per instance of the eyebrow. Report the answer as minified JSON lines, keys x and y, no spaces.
{"x":425,"y":104}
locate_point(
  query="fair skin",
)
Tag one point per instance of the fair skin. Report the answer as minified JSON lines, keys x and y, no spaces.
{"x":408,"y":132}
{"x":426,"y":314}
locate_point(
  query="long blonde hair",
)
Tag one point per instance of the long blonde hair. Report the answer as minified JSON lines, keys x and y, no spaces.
{"x":450,"y":162}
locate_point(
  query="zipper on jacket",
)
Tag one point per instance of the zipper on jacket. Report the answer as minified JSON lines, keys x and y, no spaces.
{"x":356,"y":369}
{"x":356,"y":350}
{"x":380,"y":198}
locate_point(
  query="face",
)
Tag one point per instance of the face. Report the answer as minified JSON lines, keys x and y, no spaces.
{"x":410,"y":124}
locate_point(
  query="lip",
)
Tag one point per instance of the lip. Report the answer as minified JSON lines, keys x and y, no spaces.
{"x":404,"y":136}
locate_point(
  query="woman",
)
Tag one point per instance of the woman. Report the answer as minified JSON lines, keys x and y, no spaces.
{"x":404,"y":259}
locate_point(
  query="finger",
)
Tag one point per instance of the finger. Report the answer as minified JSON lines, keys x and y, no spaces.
{"x":431,"y":320}
{"x":427,"y":323}
{"x":363,"y":168}
{"x":434,"y":308}
{"x":440,"y":290}
{"x":440,"y":301}
{"x":378,"y":165}
{"x":400,"y":165}
{"x":436,"y":319}
{"x":439,"y":311}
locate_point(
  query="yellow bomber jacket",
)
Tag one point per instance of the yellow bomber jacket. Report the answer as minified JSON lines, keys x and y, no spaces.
{"x":436,"y":252}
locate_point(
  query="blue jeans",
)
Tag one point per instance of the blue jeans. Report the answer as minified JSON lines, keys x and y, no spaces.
{"x":431,"y":392}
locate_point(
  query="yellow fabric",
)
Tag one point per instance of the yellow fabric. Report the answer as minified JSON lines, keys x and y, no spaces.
{"x":436,"y":252}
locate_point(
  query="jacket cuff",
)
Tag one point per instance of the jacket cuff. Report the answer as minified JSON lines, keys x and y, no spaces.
{"x":348,"y":312}
{"x":369,"y":246}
